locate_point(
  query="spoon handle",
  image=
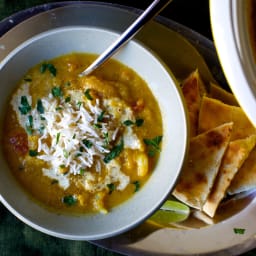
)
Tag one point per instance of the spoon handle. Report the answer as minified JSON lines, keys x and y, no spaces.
{"x":155,"y":7}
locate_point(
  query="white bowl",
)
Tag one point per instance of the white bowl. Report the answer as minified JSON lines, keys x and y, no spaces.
{"x":229,"y":20}
{"x":129,"y":214}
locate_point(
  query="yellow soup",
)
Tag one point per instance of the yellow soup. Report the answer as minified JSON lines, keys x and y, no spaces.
{"x":82,"y":144}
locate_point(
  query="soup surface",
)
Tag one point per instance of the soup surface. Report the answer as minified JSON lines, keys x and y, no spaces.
{"x":82,"y":144}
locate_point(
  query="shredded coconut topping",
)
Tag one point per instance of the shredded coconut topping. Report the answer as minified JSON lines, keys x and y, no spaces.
{"x":75,"y":134}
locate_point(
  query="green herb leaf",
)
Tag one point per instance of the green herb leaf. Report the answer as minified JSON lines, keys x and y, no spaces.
{"x":69,"y":200}
{"x":116,"y":150}
{"x":50,"y":67}
{"x":33,"y":152}
{"x":57,"y":138}
{"x":65,"y":153}
{"x":40,"y":107}
{"x":128,"y":122}
{"x":68,"y":99}
{"x":87,"y":143}
{"x":30,"y":121}
{"x":58,"y":108}
{"x":43,"y":67}
{"x":56,"y":91}
{"x":79,"y":104}
{"x":99,"y":126}
{"x":139,"y":122}
{"x":111,"y":187}
{"x":25,"y":107}
{"x":239,"y":231}
{"x":41,"y":129}
{"x":137,"y":185}
{"x":29,"y":127}
{"x":153,"y":145}
{"x":101,"y":116}
{"x":106,"y":139}
{"x":82,"y":171}
{"x":87,"y":94}
{"x":153,"y":142}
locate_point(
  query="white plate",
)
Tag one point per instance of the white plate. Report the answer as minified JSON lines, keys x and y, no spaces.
{"x":218,"y":239}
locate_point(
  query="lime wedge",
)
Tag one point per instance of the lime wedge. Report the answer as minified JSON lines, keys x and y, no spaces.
{"x":170,"y":212}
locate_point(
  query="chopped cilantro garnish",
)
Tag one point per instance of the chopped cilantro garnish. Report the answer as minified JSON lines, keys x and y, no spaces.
{"x":24,"y":108}
{"x":97,"y":125}
{"x":138,"y":122}
{"x":40,"y":107}
{"x":65,"y":153}
{"x":111,"y":187}
{"x":57,"y":138}
{"x":81,"y":171}
{"x":56,"y":91}
{"x":106,"y":139}
{"x":29,"y":127}
{"x":153,"y":145}
{"x":69,"y":200}
{"x":79,"y":104}
{"x":58,"y":108}
{"x":87,"y":94}
{"x":137,"y":185}
{"x":128,"y":122}
{"x":50,"y":67}
{"x":87,"y":143}
{"x":33,"y":153}
{"x":30,"y":121}
{"x":239,"y":231}
{"x":68,"y":99}
{"x":41,"y":129}
{"x":101,"y":116}
{"x":116,"y":150}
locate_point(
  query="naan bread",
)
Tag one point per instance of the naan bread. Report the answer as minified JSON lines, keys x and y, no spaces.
{"x":224,"y":96}
{"x":204,"y":158}
{"x":193,"y":88}
{"x":245,"y":179}
{"x":235,"y":155}
{"x":214,"y":113}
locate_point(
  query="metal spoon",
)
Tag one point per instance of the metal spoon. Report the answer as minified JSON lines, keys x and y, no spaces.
{"x":156,"y":7}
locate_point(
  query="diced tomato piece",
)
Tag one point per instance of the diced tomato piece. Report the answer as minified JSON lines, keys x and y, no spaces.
{"x":19,"y":142}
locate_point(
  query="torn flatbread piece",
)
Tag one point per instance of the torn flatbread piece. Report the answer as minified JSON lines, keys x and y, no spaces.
{"x":221,"y":94}
{"x":245,"y":179}
{"x":193,"y":88}
{"x":214,"y":113}
{"x":235,"y":155}
{"x":199,"y":172}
